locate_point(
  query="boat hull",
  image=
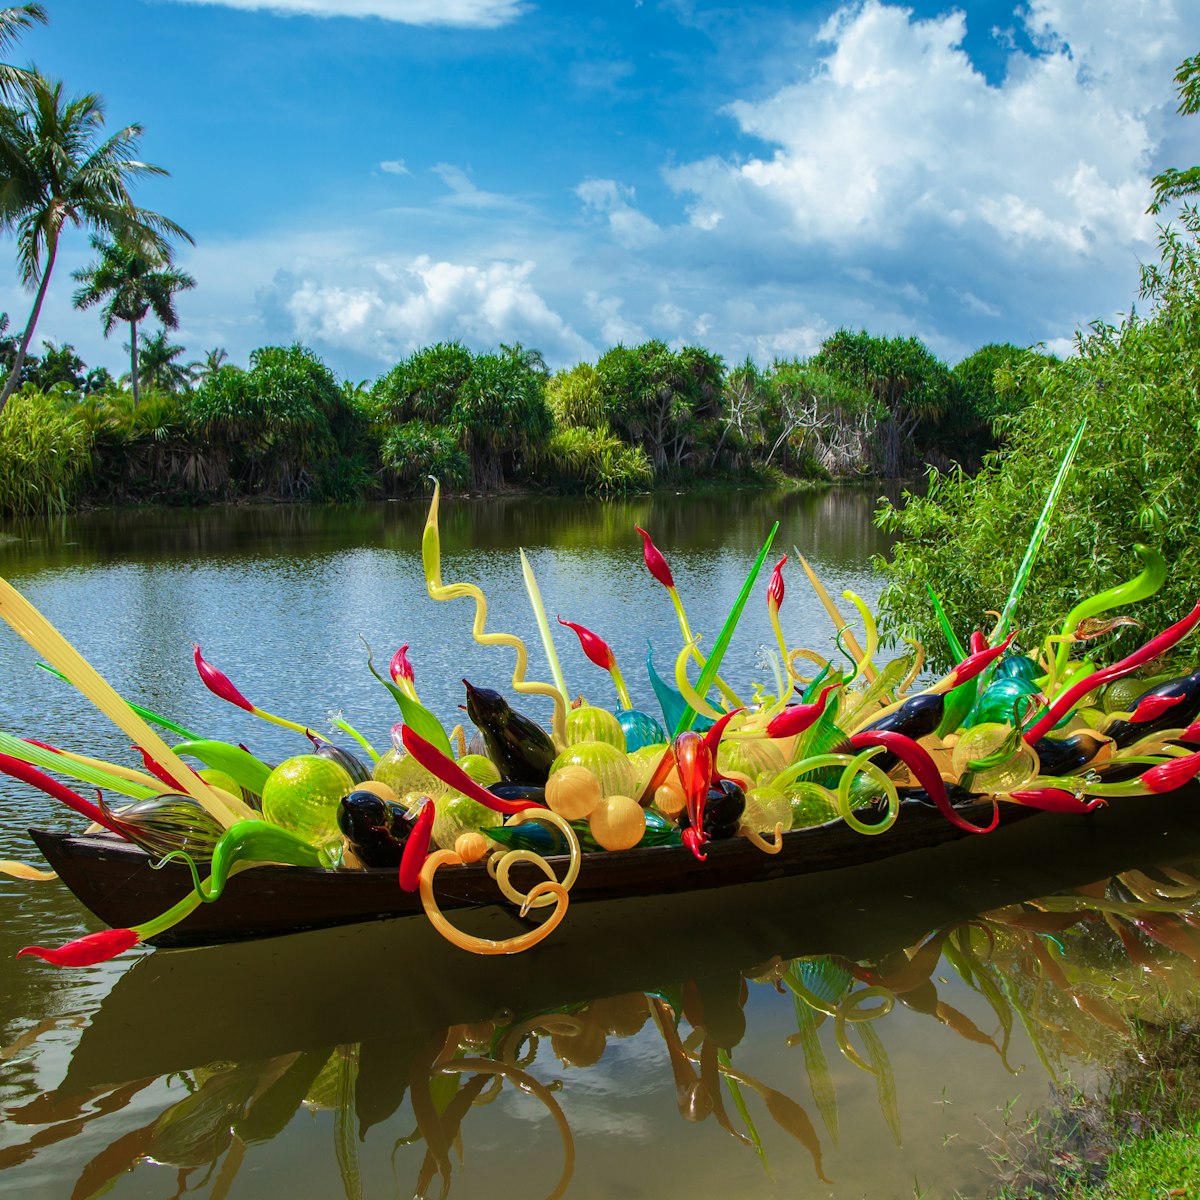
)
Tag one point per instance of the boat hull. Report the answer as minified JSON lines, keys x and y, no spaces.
{"x":117,"y":882}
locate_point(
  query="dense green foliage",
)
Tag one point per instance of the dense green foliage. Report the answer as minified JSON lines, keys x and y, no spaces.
{"x":285,"y":428}
{"x":1136,"y":477}
{"x":665,"y":402}
{"x":491,"y":408}
{"x":416,"y":448}
{"x":44,"y":454}
{"x":593,"y":460}
{"x":989,"y":388}
{"x":903,"y":382}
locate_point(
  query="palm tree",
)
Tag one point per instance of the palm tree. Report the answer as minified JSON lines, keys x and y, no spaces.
{"x":55,"y":170}
{"x":158,"y":366}
{"x":12,"y":22}
{"x":210,"y":364}
{"x":132,"y":280}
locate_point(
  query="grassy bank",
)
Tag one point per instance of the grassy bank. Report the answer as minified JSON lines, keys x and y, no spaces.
{"x":1133,"y":1133}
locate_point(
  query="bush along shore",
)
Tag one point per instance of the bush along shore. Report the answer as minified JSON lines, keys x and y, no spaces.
{"x":285,"y":428}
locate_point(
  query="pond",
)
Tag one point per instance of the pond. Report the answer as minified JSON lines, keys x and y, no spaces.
{"x":872,"y":1033}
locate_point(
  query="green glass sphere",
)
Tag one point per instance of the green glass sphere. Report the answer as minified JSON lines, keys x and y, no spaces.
{"x":302,"y":796}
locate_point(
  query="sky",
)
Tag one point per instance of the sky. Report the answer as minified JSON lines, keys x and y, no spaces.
{"x":368,"y":177}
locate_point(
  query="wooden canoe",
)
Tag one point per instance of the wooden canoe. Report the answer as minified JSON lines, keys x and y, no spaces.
{"x":116,"y":881}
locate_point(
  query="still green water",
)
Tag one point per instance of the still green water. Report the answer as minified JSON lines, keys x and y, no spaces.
{"x":860,"y":1034}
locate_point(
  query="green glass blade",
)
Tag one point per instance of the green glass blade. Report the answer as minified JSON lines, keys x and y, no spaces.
{"x":713,"y":665}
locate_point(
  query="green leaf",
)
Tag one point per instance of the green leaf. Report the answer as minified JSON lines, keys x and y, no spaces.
{"x":84,"y":772}
{"x":713,"y":663}
{"x":240,"y":765}
{"x":956,"y":647}
{"x":416,"y":716}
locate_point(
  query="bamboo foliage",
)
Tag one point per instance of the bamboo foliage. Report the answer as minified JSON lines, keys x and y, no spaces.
{"x":45,"y":455}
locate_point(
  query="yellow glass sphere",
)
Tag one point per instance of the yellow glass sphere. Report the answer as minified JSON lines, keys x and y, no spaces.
{"x":610,"y":766}
{"x":669,"y":798}
{"x":377,"y":788}
{"x":618,"y":823}
{"x":572,"y":792}
{"x":471,"y":847}
{"x":767,"y":807}
{"x":590,"y":724}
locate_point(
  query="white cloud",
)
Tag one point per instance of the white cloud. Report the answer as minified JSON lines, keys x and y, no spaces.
{"x":394,"y":308}
{"x":464,"y":193}
{"x":615,"y":328}
{"x":394,"y":166}
{"x":891,"y":160}
{"x":977,"y":305}
{"x":629,"y":227}
{"x":704,"y":218}
{"x":481,"y":14}
{"x":897,"y":132}
{"x":1063,"y":347}
{"x":455,"y":178}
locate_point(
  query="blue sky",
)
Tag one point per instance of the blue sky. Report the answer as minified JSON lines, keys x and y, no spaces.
{"x":370,"y":176}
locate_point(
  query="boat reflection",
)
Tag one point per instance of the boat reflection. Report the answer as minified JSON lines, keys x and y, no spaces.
{"x":1072,"y":970}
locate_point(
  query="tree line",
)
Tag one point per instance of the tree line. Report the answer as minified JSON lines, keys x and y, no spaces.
{"x":284,"y":427}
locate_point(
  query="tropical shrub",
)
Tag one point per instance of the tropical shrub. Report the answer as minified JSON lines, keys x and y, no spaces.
{"x":59,"y":367}
{"x":146,"y":450}
{"x":416,"y":449}
{"x":821,"y":424}
{"x":45,"y":453}
{"x":904,"y":381}
{"x":986,"y":388}
{"x":1136,"y":478}
{"x":493,"y":406}
{"x":982,"y":395}
{"x":502,"y":413}
{"x":424,"y":386}
{"x":666,"y":402}
{"x":574,"y":397}
{"x":277,"y":425}
{"x":595,"y":461}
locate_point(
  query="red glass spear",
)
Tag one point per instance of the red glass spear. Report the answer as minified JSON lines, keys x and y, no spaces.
{"x":222,"y":686}
{"x":656,"y":564}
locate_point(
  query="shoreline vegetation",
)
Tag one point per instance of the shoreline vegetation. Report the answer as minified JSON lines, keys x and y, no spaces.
{"x":642,"y":418}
